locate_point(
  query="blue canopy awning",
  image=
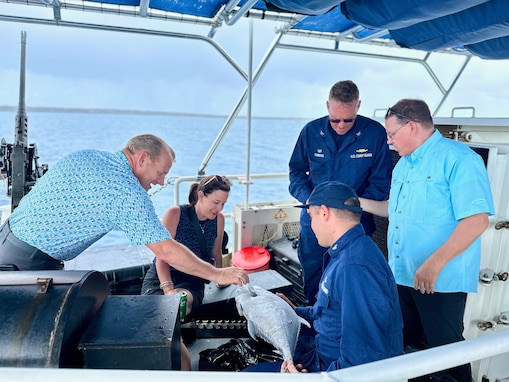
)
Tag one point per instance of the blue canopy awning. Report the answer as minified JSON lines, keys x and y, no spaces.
{"x":480,"y":27}
{"x":437,"y":24}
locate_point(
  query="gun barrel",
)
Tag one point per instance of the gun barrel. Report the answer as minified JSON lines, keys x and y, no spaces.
{"x":19,"y":149}
{"x":21,"y":129}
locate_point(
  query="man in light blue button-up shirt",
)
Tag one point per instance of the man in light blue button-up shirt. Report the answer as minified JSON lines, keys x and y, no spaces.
{"x":438,"y":208}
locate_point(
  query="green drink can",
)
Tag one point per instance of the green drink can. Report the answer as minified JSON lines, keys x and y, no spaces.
{"x":183,"y":305}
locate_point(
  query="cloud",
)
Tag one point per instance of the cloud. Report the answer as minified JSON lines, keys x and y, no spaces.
{"x":68,"y":67}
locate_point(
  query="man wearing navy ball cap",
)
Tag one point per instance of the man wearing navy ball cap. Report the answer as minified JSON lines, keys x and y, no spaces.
{"x":356,"y":317}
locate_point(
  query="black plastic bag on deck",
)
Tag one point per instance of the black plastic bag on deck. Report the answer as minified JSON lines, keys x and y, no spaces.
{"x":234,"y":355}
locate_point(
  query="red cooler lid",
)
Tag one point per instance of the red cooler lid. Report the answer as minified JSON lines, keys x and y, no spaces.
{"x":251,"y":258}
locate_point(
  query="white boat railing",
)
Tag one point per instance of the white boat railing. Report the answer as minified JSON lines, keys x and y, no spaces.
{"x":393,"y":369}
{"x":241,"y":178}
{"x":427,"y":361}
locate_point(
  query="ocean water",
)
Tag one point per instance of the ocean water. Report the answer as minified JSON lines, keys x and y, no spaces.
{"x":57,"y":134}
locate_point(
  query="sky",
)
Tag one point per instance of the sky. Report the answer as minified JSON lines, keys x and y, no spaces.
{"x":74,"y":68}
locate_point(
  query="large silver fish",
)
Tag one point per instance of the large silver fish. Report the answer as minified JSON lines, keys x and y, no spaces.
{"x":270,"y":318}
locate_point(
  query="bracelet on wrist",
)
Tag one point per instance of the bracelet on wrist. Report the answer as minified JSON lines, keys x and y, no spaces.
{"x":166,"y":284}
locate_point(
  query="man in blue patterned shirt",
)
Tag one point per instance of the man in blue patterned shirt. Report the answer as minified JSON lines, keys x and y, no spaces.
{"x":89,"y":193}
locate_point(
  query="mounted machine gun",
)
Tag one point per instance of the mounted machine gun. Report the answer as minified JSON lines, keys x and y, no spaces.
{"x":19,"y":160}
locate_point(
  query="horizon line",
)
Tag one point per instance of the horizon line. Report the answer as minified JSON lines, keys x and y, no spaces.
{"x":48,"y":109}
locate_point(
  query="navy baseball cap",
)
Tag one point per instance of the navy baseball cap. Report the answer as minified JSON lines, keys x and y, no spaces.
{"x":333,"y":195}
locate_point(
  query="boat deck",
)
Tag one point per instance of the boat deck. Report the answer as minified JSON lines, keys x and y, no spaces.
{"x":214,"y":324}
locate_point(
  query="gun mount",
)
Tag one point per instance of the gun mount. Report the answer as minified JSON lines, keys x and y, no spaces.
{"x":19,"y":160}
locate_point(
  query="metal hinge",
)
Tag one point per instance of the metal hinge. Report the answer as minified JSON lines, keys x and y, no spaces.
{"x":44,"y":283}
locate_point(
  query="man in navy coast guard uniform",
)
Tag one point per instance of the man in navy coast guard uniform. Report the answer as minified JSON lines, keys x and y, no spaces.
{"x":343,"y":147}
{"x":357,"y":317}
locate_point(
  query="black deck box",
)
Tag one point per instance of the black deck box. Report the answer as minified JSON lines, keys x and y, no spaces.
{"x":134,"y":332}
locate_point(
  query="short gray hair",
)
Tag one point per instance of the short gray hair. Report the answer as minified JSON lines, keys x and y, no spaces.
{"x":151,"y":144}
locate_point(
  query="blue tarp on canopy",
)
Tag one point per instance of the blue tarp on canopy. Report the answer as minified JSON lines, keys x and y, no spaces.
{"x":394,"y":14}
{"x":202,"y":8}
{"x":310,"y":7}
{"x":478,"y":26}
{"x":496,"y":48}
{"x":474,"y":25}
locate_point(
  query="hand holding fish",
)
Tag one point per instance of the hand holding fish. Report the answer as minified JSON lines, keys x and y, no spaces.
{"x":282,"y":296}
{"x":291,"y":368}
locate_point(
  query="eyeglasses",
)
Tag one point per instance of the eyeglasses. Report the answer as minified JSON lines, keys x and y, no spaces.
{"x":391,"y":135}
{"x":346,"y":120}
{"x":400,"y":116}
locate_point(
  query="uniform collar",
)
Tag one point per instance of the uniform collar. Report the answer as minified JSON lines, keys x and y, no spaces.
{"x":340,"y":244}
{"x":329,"y":135}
